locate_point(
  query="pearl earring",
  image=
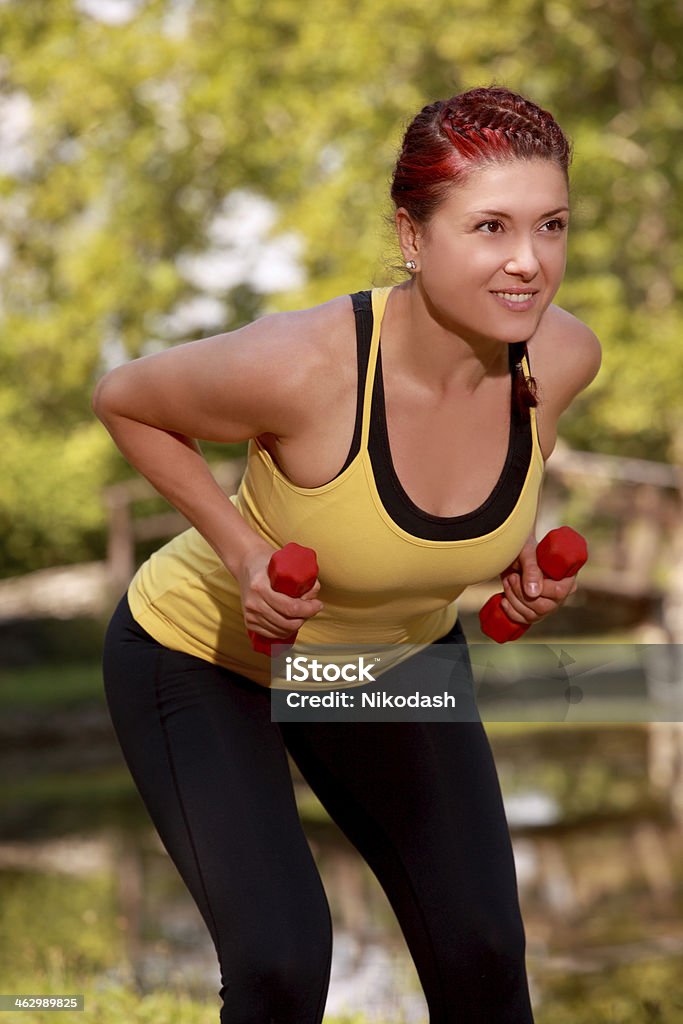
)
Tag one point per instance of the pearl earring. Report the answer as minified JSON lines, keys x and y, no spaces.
{"x":411,"y":265}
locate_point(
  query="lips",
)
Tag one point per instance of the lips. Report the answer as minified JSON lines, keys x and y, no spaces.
{"x":516,"y":300}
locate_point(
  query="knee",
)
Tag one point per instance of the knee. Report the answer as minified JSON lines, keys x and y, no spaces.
{"x":282,"y":974}
{"x":505,"y":937}
{"x":497,"y":952}
{"x":296,"y":967}
{"x":488,"y":950}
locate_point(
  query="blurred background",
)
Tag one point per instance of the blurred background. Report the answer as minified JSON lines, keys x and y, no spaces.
{"x":171,"y":169}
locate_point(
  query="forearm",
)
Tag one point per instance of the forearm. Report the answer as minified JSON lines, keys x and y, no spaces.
{"x":175,"y":467}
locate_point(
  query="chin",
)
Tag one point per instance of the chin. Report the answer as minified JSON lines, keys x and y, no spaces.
{"x":522,"y":328}
{"x":515,"y":333}
{"x":527,"y":334}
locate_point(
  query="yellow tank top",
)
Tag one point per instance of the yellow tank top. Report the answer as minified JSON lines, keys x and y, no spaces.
{"x":390,"y":573}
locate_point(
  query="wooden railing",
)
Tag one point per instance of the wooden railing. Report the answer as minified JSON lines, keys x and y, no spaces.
{"x":127,"y":529}
{"x":630,"y":510}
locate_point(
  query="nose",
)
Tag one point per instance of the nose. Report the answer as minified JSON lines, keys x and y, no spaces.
{"x":523,"y":261}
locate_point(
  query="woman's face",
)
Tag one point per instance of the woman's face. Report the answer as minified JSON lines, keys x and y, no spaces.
{"x":492,"y":257}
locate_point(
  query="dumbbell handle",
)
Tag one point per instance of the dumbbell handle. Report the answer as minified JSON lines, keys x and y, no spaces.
{"x":561,"y":553}
{"x":292,"y":570}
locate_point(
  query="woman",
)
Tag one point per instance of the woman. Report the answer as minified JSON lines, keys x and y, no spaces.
{"x":421,"y":394}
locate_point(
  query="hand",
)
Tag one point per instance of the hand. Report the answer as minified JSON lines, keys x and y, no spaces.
{"x":266,"y":611}
{"x":529,"y":596}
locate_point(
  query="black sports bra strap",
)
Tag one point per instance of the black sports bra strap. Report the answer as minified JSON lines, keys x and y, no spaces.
{"x":362,"y":308}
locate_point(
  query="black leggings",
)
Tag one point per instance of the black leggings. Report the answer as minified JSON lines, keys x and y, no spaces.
{"x":419,"y":800}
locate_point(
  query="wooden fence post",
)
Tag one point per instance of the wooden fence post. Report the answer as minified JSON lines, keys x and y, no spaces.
{"x":120,"y":544}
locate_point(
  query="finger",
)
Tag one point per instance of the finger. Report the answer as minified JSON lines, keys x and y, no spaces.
{"x":293,"y":607}
{"x":517,"y":592}
{"x":515,"y":610}
{"x":531,"y":578}
{"x":281,"y":614}
{"x":264,"y":627}
{"x":515,"y":566}
{"x":515,"y":607}
{"x":553,"y":591}
{"x":546,"y":603}
{"x":566,"y":587}
{"x":559,"y":590}
{"x":269,"y":632}
{"x":513,"y":615}
{"x":269,"y":623}
{"x":312,"y":592}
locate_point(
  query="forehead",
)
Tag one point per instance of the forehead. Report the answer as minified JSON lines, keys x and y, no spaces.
{"x":514,"y":186}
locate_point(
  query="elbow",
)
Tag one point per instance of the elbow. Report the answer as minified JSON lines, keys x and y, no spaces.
{"x":593,"y":358}
{"x":102,"y":400}
{"x":98,"y":400}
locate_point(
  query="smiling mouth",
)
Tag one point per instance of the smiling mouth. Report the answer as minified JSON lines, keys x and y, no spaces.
{"x":516,"y":296}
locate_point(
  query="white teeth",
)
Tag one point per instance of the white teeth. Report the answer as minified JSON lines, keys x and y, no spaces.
{"x":514,"y":297}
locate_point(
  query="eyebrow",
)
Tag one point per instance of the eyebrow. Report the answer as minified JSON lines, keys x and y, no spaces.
{"x":501,"y":213}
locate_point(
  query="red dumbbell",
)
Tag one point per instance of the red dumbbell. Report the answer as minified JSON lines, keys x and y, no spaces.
{"x":292,"y":570}
{"x":561,"y":553}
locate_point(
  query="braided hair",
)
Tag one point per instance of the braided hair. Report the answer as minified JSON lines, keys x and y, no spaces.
{"x":450,"y":138}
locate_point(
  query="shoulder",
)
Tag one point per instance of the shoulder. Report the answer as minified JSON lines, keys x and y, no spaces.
{"x":564,"y":355}
{"x":308,"y":355}
{"x":303,"y":340}
{"x":312,"y":332}
{"x":304,"y":328}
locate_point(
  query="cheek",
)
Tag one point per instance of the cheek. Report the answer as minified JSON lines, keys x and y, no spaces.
{"x":457,"y":265}
{"x":458,"y":289}
{"x":555,"y":268}
{"x":556,"y":257}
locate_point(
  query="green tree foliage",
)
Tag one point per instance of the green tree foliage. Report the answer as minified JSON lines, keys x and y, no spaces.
{"x":141,"y":128}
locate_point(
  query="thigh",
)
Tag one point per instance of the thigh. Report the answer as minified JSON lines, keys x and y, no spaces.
{"x":422,"y":802}
{"x":430,"y":787}
{"x":212,"y":771}
{"x":424,"y":793}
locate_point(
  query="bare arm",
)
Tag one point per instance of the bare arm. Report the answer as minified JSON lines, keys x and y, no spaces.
{"x":565,"y":357}
{"x":226,"y":388}
{"x":571,"y":361}
{"x":578,"y":360}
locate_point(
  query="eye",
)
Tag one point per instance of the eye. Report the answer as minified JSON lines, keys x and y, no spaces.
{"x":555,"y":225}
{"x":492,"y":227}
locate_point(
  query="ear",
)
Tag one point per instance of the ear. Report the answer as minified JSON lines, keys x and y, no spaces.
{"x":409,"y":234}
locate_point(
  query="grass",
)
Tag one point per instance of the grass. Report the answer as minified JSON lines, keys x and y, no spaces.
{"x":95,"y":786}
{"x":64,"y":935}
{"x":648,"y":993}
{"x":644,"y":993}
{"x":50,"y":686}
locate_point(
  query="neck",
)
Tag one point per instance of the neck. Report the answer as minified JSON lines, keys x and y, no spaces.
{"x":431,"y":352}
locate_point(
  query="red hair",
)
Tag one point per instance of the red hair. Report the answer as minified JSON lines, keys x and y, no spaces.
{"x":450,"y":138}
